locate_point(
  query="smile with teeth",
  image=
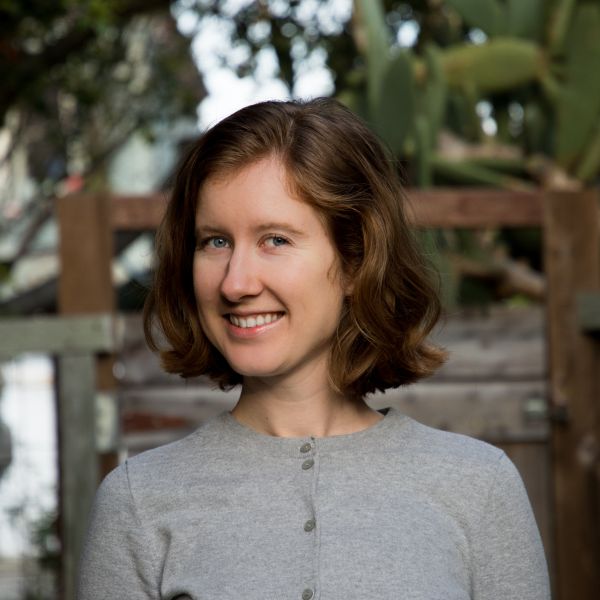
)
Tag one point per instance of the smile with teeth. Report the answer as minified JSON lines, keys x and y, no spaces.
{"x":254,"y":320}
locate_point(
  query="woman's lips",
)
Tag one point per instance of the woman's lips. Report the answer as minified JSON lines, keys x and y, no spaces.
{"x":252,"y":324}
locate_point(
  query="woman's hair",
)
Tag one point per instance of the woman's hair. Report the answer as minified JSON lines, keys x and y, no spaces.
{"x":336,"y":165}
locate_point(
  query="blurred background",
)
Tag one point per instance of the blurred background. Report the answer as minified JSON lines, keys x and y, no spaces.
{"x":492,"y":108}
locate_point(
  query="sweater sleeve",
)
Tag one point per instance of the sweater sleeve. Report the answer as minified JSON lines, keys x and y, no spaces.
{"x":508,"y":556}
{"x":117,"y":558}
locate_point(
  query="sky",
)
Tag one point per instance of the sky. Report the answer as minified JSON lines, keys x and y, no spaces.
{"x":226,"y":91}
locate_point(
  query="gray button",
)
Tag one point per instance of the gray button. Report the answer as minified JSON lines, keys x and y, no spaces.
{"x":309,"y":525}
{"x":305,"y":447}
{"x":308,"y":463}
{"x":307,"y":594}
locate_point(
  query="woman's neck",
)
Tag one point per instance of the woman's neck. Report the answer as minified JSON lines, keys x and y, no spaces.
{"x":285,"y":409}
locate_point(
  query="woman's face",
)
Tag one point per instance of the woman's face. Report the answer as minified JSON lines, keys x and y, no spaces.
{"x":266,"y":275}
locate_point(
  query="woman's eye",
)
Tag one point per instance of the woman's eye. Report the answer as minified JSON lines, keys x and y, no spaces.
{"x":214,"y":242}
{"x":277,"y":240}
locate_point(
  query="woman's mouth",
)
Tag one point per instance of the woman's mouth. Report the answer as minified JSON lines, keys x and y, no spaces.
{"x":255,"y":320}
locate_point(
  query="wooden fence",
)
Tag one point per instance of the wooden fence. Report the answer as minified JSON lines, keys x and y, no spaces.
{"x":567,"y":440}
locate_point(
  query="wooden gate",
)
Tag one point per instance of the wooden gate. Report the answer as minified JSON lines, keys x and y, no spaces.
{"x":572,"y":421}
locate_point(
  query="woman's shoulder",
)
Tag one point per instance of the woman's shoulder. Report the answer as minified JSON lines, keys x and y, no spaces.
{"x":427,"y":440}
{"x":456,"y":470}
{"x":172,"y":460}
{"x":459,"y":444}
{"x":455,"y":454}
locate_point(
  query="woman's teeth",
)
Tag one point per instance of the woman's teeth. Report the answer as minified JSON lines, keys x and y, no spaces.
{"x":254,"y":321}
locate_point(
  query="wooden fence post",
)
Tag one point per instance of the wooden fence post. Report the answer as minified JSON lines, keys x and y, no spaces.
{"x":77,"y":458}
{"x":85,"y":286}
{"x":572,"y":265}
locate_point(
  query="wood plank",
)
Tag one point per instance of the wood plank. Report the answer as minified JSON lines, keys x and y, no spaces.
{"x":85,"y":286}
{"x":475,"y":207}
{"x":57,"y":335}
{"x":502,"y":342}
{"x":439,"y":207}
{"x":572,"y":265}
{"x":138,"y":213}
{"x":495,"y":411}
{"x":85,"y":250}
{"x":534,"y":462}
{"x":498,"y":411}
{"x":78,"y":459}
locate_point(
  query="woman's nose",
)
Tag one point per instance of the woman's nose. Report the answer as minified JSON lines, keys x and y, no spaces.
{"x":242,"y":277}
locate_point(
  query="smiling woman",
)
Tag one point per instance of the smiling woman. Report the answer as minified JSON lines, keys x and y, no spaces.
{"x":285,"y":264}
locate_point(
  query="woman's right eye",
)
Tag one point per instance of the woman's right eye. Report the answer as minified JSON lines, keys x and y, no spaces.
{"x":215,"y":242}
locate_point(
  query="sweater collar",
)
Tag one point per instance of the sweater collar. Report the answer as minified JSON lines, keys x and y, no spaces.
{"x":374,"y":437}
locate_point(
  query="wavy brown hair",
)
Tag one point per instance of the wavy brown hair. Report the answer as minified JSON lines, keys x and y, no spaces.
{"x":338,"y":166}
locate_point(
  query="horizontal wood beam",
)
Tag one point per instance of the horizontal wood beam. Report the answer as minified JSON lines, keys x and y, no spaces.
{"x":439,"y":207}
{"x":59,"y":335}
{"x":475,"y":207}
{"x":138,"y":213}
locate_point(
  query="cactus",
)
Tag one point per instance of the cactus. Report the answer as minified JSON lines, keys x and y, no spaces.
{"x":523,"y":19}
{"x":434,"y":95}
{"x":558,"y":24}
{"x":424,"y":148}
{"x":470,"y":173}
{"x":496,"y":66}
{"x":394,"y":102}
{"x":488,"y":15}
{"x":555,"y":82}
{"x":578,"y":102}
{"x":370,"y":15}
{"x":590,"y":164}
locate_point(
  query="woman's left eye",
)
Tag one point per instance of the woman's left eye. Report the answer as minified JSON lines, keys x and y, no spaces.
{"x":277,"y":240}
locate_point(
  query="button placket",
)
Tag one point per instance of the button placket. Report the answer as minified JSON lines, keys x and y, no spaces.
{"x":308,"y":450}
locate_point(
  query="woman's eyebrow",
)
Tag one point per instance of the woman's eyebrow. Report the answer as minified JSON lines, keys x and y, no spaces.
{"x":271,"y":226}
{"x":207,"y":230}
{"x":279,"y":226}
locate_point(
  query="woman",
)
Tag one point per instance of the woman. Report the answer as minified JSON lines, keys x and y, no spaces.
{"x":285,"y":264}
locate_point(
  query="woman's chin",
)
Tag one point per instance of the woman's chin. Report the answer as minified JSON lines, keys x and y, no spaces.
{"x":256,"y":371}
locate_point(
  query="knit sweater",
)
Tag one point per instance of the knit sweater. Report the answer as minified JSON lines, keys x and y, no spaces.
{"x":396,"y":511}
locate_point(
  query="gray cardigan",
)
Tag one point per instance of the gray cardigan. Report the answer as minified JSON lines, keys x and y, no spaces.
{"x":396,"y":511}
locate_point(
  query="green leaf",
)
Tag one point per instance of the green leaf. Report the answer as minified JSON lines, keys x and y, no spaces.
{"x":487,"y":15}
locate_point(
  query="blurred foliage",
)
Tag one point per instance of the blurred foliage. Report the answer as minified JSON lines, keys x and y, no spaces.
{"x":526,"y":64}
{"x":494,"y":93}
{"x":79,"y":76}
{"x":42,"y":582}
{"x":464,"y":92}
